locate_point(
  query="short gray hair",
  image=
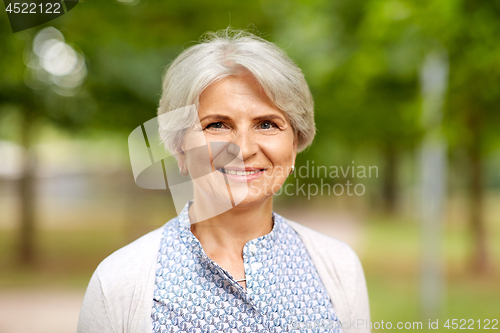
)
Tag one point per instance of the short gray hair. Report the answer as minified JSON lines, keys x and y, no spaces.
{"x":232,"y":52}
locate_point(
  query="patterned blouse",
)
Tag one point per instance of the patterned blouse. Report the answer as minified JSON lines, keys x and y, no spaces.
{"x":283,"y":293}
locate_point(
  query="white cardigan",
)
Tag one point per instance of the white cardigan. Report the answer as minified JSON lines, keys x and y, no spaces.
{"x":119,"y":297}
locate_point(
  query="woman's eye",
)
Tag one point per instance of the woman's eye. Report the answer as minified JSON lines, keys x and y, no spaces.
{"x":267,"y":125}
{"x":217,"y":125}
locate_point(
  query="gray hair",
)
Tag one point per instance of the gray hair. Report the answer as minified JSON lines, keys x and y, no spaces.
{"x":232,"y":52}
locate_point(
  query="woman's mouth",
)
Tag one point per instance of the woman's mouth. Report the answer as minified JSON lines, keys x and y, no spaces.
{"x":242,"y":175}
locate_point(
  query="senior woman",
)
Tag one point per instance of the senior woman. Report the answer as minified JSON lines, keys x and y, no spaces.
{"x":227,"y":262}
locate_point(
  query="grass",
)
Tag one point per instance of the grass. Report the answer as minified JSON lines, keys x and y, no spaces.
{"x":392,"y":269}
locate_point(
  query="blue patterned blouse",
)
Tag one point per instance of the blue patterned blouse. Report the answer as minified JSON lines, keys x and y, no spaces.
{"x":284,"y":291}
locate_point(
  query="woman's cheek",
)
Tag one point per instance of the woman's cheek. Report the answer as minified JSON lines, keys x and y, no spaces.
{"x":279,"y":151}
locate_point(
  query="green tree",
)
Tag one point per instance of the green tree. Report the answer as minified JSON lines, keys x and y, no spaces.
{"x":473,"y":113}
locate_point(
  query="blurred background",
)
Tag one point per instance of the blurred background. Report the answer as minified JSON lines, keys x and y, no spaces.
{"x":409,"y":88}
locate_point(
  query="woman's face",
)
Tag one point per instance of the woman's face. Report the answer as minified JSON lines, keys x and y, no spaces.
{"x":238,"y":119}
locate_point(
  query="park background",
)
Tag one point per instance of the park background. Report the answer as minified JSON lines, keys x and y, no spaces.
{"x":411,"y":87}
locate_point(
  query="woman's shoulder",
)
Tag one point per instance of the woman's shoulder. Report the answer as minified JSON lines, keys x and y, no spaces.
{"x":122,"y":284}
{"x":137,"y":248}
{"x":132,"y":258}
{"x":331,"y":256}
{"x":333,"y":247}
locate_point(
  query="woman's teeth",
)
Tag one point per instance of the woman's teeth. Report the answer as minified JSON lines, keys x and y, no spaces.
{"x":239,"y":173}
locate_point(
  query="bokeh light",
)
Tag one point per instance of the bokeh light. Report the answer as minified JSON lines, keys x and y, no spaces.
{"x":54,"y":63}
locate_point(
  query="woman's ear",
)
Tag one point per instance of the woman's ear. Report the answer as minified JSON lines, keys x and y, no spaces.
{"x":180,"y":156}
{"x":295,"y":143}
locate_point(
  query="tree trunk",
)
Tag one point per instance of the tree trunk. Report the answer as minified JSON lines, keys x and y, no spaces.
{"x":389,"y":189}
{"x":27,"y":194}
{"x":480,"y":262}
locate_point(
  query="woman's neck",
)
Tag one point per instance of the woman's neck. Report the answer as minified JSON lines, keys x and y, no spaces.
{"x":232,"y":229}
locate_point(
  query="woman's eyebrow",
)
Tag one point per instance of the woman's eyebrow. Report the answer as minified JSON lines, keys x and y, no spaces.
{"x":224,"y":117}
{"x":216,"y":117}
{"x":269,"y":117}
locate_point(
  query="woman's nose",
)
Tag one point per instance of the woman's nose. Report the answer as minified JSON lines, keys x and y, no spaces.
{"x":247,"y":144}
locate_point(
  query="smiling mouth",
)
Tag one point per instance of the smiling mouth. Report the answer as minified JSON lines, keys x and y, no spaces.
{"x":240,"y":173}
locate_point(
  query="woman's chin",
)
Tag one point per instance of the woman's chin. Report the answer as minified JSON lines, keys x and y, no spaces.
{"x":251,"y":200}
{"x":241,"y":195}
